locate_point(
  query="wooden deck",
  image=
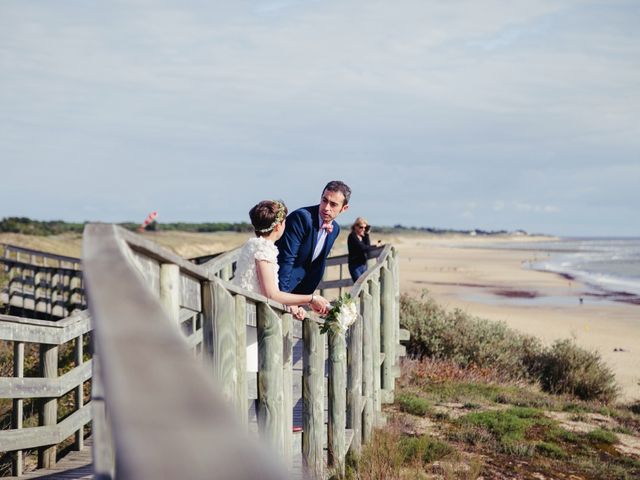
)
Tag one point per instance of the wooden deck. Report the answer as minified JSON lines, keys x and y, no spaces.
{"x":77,"y":465}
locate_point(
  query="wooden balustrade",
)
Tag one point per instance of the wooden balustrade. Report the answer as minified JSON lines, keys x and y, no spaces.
{"x":47,"y":387}
{"x":41,"y":285}
{"x":157,"y":412}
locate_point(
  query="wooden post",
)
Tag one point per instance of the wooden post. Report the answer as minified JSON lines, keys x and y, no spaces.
{"x":354,"y":384}
{"x":388,"y":331}
{"x":49,"y":409}
{"x":313,"y":399}
{"x":79,"y":443}
{"x":375,"y":343}
{"x":242,"y":396}
{"x":287,"y":386}
{"x":337,"y":400}
{"x":368,"y":415}
{"x":170,"y":290}
{"x":18,"y":404}
{"x":270,"y":377}
{"x":220,"y":318}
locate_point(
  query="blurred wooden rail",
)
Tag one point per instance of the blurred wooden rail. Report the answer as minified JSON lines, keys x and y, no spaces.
{"x":154,"y":312}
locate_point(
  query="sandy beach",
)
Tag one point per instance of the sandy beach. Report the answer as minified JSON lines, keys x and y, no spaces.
{"x":495,"y":284}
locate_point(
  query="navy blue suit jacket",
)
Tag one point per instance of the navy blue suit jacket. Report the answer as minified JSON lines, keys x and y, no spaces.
{"x":298,"y":274}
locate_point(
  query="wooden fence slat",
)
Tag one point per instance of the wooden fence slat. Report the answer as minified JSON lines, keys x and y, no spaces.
{"x":224,"y":337}
{"x":337,"y":384}
{"x":287,"y":386}
{"x":375,"y":344}
{"x":368,"y":414}
{"x":49,"y":407}
{"x":170,"y":290}
{"x":389,"y":340}
{"x":313,"y":399}
{"x":270,"y":377}
{"x":18,"y":404}
{"x":354,"y":383}
{"x":242,"y":396}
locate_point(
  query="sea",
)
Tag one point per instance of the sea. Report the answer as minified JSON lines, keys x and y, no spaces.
{"x":610,"y":267}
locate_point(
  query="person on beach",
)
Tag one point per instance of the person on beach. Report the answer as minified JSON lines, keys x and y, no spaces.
{"x":308,"y":237}
{"x":257,"y":267}
{"x":359,"y":245}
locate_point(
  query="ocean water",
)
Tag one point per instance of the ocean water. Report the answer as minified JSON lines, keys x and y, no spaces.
{"x":607,"y":264}
{"x":608,"y":267}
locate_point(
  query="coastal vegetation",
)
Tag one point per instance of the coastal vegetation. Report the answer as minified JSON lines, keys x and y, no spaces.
{"x":473,"y":342}
{"x":478,"y":400}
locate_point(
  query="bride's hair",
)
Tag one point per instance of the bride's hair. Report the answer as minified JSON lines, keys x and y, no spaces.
{"x":266,"y":215}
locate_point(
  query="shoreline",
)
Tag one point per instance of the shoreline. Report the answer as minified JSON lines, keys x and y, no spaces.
{"x":493,"y":283}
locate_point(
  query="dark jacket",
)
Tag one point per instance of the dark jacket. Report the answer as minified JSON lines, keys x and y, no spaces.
{"x":358,"y":249}
{"x":297,"y":273}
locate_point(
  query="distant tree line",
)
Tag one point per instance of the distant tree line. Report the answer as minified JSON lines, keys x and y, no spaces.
{"x":54,"y":227}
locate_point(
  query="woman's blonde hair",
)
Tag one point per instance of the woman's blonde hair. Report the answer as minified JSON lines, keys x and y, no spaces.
{"x":358,"y":221}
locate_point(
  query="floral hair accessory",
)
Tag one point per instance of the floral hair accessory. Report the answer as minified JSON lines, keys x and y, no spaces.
{"x":279,"y":218}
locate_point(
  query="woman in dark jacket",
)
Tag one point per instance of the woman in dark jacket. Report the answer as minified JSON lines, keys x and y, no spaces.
{"x":359,"y":247}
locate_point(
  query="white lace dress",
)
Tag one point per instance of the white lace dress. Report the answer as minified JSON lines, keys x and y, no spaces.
{"x":254,"y":249}
{"x":246,"y":276}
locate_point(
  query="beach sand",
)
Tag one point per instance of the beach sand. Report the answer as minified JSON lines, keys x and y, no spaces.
{"x":495,"y":284}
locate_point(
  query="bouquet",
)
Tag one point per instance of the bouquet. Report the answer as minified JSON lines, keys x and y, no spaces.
{"x":342,"y":315}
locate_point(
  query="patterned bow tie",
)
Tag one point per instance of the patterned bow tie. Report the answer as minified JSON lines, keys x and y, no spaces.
{"x":328,"y":227}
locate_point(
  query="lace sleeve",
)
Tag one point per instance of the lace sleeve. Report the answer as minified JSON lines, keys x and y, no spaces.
{"x":267,"y":251}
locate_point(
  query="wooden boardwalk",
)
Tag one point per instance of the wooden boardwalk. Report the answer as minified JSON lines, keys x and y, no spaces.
{"x":77,"y":465}
{"x":331,"y":386}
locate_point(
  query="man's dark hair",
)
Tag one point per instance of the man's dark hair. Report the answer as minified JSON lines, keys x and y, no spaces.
{"x":338,"y":186}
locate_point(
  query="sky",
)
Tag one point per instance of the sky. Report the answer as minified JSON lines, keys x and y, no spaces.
{"x":463,"y":114}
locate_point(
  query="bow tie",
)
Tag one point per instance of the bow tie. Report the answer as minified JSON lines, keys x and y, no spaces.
{"x":328,"y":227}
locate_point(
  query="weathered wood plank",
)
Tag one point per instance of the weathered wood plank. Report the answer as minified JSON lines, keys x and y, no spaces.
{"x":201,"y":434}
{"x":287,"y":386}
{"x":242,"y":396}
{"x":368,"y":414}
{"x":170,"y":290}
{"x":27,"y":438}
{"x":35,"y":387}
{"x":17,"y":329}
{"x":313,"y":399}
{"x":49,"y":406}
{"x":375,"y":342}
{"x":18,"y":404}
{"x":354,"y":384}
{"x":224,"y":337}
{"x":337,"y":400}
{"x":270,"y":377}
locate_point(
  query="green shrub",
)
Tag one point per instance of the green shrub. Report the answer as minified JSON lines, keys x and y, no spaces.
{"x":567,"y":368}
{"x":550,"y":450}
{"x":602,"y":436}
{"x":413,"y":404}
{"x":564,"y":368}
{"x":423,"y":448}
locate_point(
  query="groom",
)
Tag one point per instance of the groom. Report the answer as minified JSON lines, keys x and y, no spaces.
{"x":308,"y":237}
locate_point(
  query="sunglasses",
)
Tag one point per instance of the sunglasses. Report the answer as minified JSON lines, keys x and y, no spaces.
{"x":361,"y":226}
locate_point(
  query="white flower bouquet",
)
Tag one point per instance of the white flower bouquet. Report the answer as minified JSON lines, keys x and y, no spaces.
{"x":342,"y":315}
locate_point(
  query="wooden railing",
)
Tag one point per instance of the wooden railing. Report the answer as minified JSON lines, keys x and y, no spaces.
{"x":41,"y":285}
{"x":50,"y":341}
{"x":157,"y":413}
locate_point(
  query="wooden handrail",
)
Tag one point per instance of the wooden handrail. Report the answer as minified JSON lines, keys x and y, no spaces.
{"x":165,"y":408}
